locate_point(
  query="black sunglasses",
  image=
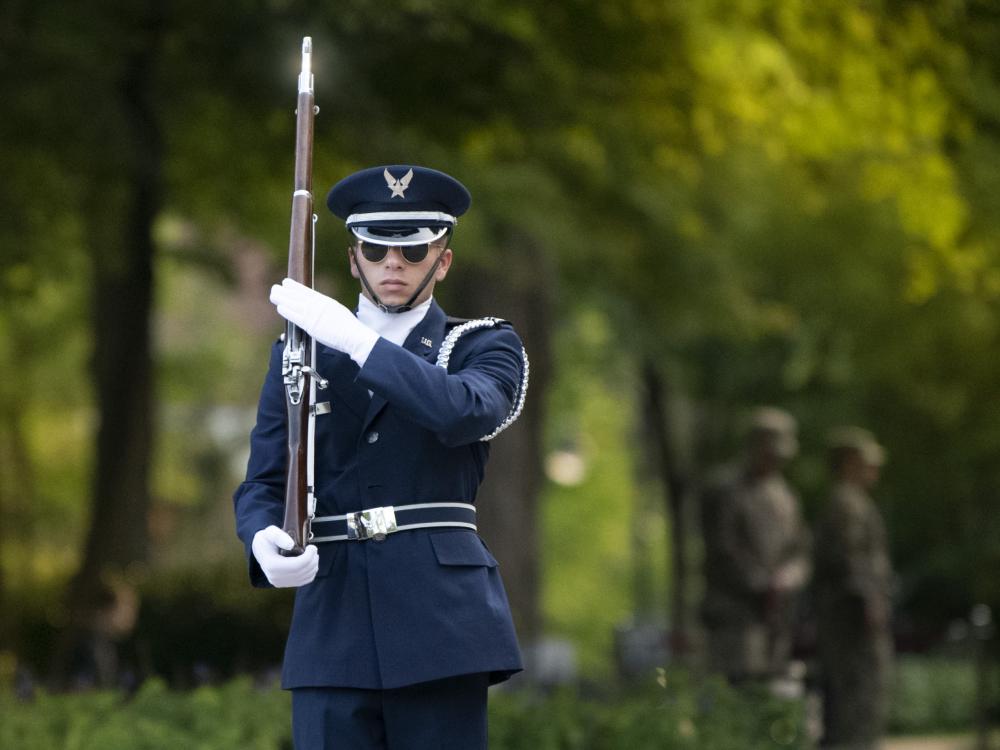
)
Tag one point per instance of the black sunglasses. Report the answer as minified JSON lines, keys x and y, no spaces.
{"x":411,"y":253}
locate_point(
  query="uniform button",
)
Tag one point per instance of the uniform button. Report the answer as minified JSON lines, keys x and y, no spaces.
{"x":372,"y":437}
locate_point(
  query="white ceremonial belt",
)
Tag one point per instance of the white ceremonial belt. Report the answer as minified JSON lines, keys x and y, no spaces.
{"x":377,"y":523}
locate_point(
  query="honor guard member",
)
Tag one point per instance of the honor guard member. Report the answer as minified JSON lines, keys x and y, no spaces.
{"x":401,"y":621}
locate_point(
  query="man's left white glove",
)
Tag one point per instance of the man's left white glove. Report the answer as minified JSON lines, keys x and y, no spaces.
{"x":325,"y":319}
{"x":281,"y":571}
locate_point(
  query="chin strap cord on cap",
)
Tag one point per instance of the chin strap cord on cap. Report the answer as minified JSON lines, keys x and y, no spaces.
{"x":406,"y":306}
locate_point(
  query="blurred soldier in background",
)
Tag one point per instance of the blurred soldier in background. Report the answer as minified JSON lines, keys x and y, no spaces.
{"x":756,"y":555}
{"x":852,"y":590}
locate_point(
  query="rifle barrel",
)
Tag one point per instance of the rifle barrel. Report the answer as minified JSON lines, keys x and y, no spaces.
{"x":298,"y":356}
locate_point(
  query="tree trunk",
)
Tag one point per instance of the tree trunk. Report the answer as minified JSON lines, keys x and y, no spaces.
{"x":17,"y":494}
{"x":667,"y":465}
{"x":124,"y":200}
{"x":519,"y":291}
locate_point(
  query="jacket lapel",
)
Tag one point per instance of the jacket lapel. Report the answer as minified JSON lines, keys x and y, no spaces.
{"x":424,"y":341}
{"x":341,"y":371}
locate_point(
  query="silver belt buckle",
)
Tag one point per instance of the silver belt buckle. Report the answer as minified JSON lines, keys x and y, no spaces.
{"x":373,"y":523}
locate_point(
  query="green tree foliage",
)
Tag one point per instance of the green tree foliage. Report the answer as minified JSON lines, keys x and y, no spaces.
{"x":771,"y":201}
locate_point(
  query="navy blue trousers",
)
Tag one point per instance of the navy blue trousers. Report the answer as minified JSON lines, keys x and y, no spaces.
{"x":447,"y":714}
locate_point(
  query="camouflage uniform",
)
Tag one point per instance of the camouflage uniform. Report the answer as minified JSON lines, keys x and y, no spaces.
{"x":853,"y":580}
{"x":756,"y":561}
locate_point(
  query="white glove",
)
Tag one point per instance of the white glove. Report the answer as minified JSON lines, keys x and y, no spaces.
{"x":281,"y":571}
{"x":325,"y":319}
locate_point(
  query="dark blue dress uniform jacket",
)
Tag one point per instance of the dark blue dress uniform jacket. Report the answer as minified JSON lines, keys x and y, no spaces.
{"x":422,"y":604}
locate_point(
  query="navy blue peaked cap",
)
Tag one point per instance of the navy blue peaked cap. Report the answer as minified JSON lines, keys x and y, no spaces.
{"x":399,"y":204}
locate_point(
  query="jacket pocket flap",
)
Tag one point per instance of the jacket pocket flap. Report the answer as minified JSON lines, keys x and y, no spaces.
{"x":329,"y":553}
{"x":461,"y":548}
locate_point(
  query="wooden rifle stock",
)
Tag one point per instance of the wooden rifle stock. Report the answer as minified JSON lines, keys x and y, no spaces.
{"x":297,"y":359}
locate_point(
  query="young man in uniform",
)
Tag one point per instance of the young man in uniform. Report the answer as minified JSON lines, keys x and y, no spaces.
{"x":401,"y":621}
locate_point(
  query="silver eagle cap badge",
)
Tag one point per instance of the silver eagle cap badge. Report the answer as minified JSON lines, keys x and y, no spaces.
{"x":398,"y":187}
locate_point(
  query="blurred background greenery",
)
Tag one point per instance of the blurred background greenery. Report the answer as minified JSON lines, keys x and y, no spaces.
{"x":687,"y":209}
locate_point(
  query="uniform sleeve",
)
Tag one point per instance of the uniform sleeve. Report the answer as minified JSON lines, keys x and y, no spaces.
{"x":795,"y":568}
{"x":743,"y":568}
{"x":259,"y":500}
{"x":460,"y":406}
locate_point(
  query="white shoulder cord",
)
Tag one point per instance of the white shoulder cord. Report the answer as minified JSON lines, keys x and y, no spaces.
{"x":444,"y":356}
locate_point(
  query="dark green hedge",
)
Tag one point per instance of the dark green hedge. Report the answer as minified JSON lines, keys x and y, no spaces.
{"x":679,"y":715}
{"x":936,"y":694}
{"x":240,"y":716}
{"x":234,"y":715}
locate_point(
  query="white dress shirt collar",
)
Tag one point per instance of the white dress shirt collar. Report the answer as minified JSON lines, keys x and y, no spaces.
{"x":394,"y":327}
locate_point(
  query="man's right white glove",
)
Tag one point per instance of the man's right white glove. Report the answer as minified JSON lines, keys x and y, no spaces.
{"x":281,"y":571}
{"x":325,"y":319}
